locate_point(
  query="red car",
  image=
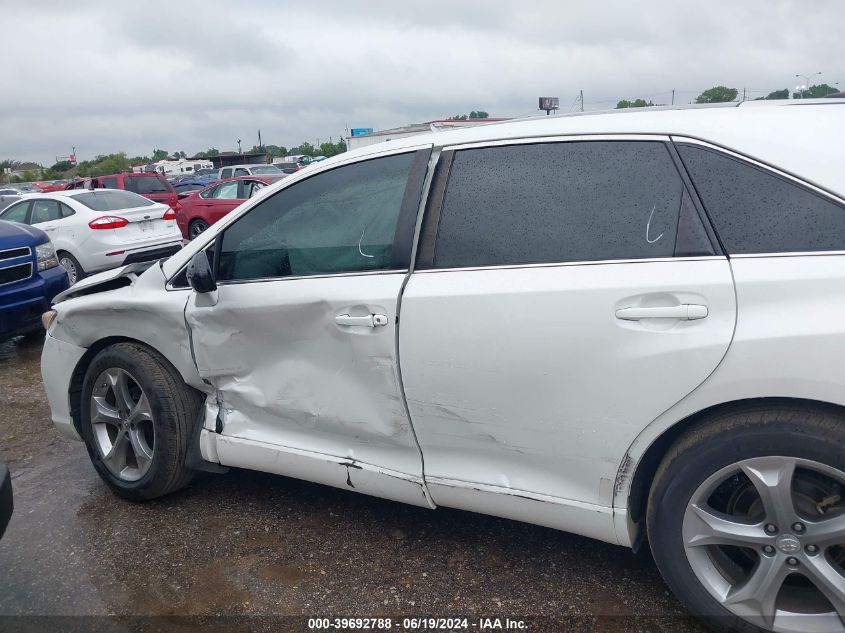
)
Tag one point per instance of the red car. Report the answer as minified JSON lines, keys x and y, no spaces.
{"x":152,"y":186}
{"x":202,"y":208}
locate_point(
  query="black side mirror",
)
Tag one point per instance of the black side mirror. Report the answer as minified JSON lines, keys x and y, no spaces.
{"x":199,"y":273}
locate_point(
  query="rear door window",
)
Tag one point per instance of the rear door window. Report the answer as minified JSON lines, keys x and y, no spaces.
{"x":757,"y":211}
{"x":560,"y":202}
{"x":227,"y":191}
{"x":108,"y":183}
{"x":45,"y":211}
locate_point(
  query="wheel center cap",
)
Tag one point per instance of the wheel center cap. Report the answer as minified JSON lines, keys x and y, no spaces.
{"x":788,"y":544}
{"x":126,"y":425}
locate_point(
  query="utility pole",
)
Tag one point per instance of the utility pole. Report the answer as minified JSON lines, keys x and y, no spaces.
{"x":239,"y":148}
{"x":743,"y":94}
{"x":806,"y":85}
{"x":673,"y":96}
{"x":582,"y":101}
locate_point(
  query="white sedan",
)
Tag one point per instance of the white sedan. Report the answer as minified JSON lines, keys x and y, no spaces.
{"x":95,"y":230}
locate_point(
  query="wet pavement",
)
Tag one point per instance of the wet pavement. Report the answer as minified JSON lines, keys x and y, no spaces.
{"x":247,"y":550}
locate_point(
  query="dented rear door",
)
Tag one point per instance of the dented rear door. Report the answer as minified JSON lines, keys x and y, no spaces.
{"x":299,"y":340}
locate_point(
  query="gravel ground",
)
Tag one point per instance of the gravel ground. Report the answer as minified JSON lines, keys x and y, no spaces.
{"x":247,"y":550}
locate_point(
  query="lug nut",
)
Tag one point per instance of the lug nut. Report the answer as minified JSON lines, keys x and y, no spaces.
{"x":771,"y":528}
{"x":797,"y":527}
{"x":812,"y":549}
{"x":792,"y":561}
{"x":768,"y":549}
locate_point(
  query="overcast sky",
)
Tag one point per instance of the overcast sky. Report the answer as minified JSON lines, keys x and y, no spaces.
{"x":133,"y":76}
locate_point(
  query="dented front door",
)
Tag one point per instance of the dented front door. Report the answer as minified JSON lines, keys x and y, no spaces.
{"x":298,"y":341}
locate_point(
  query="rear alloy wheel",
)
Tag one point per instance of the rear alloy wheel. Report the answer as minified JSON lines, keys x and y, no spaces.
{"x":74,"y":270}
{"x":136,"y":419}
{"x":747,"y":522}
{"x":196,"y":227}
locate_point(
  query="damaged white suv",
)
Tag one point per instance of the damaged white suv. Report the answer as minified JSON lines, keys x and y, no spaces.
{"x":628,"y":326}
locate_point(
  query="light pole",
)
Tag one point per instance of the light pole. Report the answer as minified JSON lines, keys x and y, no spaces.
{"x":806,"y":85}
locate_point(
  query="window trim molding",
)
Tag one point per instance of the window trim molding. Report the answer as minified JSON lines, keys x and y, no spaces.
{"x":596,"y":262}
{"x":561,"y":138}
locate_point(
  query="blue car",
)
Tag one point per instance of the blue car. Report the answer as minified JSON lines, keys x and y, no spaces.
{"x":30,"y":276}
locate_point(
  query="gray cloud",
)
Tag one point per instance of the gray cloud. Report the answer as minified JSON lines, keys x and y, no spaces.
{"x":130,"y":76}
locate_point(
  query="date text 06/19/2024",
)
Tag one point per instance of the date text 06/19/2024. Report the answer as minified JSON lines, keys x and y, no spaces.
{"x":417,"y":624}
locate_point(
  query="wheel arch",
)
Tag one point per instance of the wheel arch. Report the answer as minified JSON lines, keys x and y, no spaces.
{"x":646,"y":467}
{"x":78,"y":374}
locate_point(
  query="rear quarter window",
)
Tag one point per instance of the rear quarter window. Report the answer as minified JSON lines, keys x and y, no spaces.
{"x":756,"y":211}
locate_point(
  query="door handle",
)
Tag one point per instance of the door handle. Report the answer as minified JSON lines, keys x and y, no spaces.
{"x":371,"y":320}
{"x":684,"y":312}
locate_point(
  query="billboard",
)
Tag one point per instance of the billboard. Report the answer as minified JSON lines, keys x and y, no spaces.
{"x":361,"y":131}
{"x":549,"y":103}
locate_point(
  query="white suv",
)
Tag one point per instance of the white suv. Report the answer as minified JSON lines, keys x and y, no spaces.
{"x":630,"y":326}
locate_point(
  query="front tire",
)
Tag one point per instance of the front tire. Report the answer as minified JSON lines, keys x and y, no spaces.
{"x":746,"y":520}
{"x":136,"y":419}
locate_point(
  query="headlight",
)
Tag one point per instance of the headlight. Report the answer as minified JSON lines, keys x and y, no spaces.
{"x":47,"y":318}
{"x":46,"y":256}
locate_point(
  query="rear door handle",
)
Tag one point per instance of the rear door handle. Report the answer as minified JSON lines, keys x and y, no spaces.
{"x":684,"y":312}
{"x":371,"y":320}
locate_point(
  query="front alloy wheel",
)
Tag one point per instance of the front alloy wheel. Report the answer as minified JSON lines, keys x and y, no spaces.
{"x":122,"y":424}
{"x":746,"y":520}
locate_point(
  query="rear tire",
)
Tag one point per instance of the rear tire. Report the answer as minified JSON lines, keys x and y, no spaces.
{"x":75,"y":272}
{"x":196,"y":227}
{"x":137,"y":415}
{"x":736,"y":517}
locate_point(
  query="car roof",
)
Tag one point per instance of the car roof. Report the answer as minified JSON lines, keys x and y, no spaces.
{"x":794,"y":134}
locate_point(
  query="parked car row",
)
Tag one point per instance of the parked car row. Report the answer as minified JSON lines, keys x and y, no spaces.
{"x":97,"y":229}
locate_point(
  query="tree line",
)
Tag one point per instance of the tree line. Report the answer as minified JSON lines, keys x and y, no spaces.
{"x":723,"y":94}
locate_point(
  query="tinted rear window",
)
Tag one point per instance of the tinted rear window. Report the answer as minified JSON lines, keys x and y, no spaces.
{"x":559,"y":202}
{"x":147,"y":184}
{"x":111,"y":200}
{"x":755,"y":211}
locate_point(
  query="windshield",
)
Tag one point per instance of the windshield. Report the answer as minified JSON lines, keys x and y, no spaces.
{"x":147,"y":184}
{"x":112,"y":200}
{"x":265,"y":169}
